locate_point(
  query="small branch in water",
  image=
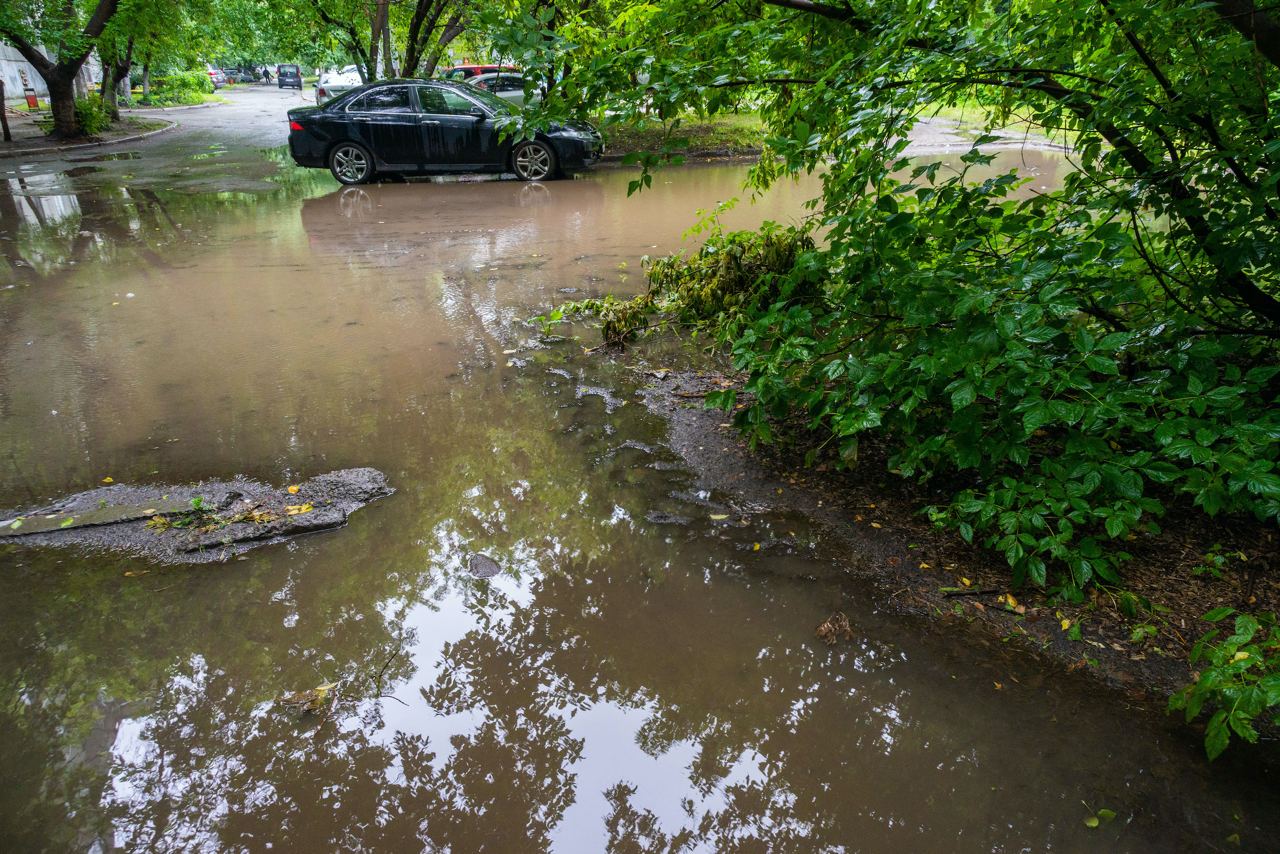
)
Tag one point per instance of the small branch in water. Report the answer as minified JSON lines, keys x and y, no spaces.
{"x":378,"y":681}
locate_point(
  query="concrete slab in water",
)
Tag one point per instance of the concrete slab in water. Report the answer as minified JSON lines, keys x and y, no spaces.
{"x":196,"y":523}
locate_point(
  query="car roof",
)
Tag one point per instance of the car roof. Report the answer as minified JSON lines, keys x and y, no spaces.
{"x":351,"y":94}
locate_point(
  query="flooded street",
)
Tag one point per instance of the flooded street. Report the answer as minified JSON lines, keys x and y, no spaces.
{"x":638,"y":677}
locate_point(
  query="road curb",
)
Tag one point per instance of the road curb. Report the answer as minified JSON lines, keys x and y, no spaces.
{"x":50,"y":149}
{"x":174,"y":109}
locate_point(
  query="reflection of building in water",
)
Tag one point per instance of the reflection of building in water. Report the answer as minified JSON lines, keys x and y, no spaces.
{"x":29,"y":201}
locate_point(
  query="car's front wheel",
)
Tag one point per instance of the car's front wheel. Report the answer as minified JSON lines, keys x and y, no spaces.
{"x":533,"y":161}
{"x":350,"y":163}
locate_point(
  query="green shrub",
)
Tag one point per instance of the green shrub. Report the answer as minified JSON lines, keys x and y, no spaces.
{"x":1240,"y":678}
{"x":181,"y":87}
{"x":1060,"y":433}
{"x":92,"y":115}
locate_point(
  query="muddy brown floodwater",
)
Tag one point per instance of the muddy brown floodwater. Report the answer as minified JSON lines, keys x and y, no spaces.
{"x":625,"y":671}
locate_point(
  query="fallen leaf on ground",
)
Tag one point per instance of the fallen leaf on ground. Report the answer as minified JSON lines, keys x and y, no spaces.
{"x":293,"y":490}
{"x":108,"y":479}
{"x":716,"y":517}
{"x":298,"y":509}
{"x":876,"y":525}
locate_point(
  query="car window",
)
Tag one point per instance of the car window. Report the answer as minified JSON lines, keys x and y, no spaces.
{"x":443,"y":102}
{"x":509,"y":84}
{"x":388,"y":99}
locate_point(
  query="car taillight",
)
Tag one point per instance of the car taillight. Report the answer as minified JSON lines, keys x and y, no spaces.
{"x":294,"y":126}
{"x":323,"y":93}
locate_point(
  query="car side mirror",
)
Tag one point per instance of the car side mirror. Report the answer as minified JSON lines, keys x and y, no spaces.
{"x":478,"y":113}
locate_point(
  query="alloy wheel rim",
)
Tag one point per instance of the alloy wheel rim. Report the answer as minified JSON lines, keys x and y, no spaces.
{"x":533,"y":162}
{"x":350,"y":163}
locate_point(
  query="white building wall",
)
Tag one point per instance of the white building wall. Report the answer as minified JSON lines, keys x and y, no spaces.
{"x":13,"y":66}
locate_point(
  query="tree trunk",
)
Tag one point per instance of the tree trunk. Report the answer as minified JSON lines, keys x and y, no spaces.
{"x":62,"y":102}
{"x":108,"y":91}
{"x":375,"y":36}
{"x":4,"y":116}
{"x":146,"y":81}
{"x":388,"y":58}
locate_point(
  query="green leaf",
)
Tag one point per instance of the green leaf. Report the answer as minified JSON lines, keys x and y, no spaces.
{"x":963,"y":395}
{"x":1218,"y":614}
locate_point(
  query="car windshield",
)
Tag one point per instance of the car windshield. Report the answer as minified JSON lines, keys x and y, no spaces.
{"x":493,"y":102}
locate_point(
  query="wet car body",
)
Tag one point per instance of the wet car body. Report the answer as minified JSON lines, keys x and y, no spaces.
{"x":429,"y":127}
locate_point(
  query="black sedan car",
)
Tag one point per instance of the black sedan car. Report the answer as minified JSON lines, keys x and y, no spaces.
{"x":429,"y":127}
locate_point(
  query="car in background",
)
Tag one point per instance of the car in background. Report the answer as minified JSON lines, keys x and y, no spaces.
{"x":216,"y":77}
{"x":462,"y":72}
{"x":431,"y":127}
{"x":507,"y":86}
{"x":289,"y":76}
{"x":334,"y":83}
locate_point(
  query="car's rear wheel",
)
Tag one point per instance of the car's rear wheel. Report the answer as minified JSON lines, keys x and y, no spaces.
{"x":533,"y":161}
{"x":350,"y":163}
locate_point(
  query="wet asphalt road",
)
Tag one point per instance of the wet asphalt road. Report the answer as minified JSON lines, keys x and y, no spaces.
{"x":214,"y":148}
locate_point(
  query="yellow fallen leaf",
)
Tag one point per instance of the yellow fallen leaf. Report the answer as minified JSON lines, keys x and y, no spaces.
{"x":108,"y":479}
{"x":925,"y":566}
{"x":756,"y":547}
{"x":966,"y":582}
{"x":1239,"y":656}
{"x":293,"y":490}
{"x":1066,"y":624}
{"x":998,"y":685}
{"x":716,"y":517}
{"x":875,"y":525}
{"x":1010,"y":601}
{"x":150,"y":511}
{"x":298,"y":509}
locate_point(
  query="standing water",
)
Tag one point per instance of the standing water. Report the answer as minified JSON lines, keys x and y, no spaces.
{"x":622,"y":683}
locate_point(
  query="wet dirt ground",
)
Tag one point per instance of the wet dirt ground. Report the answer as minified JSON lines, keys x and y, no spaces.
{"x":640,"y":674}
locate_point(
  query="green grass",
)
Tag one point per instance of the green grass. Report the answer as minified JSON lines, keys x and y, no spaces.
{"x":731,"y":134}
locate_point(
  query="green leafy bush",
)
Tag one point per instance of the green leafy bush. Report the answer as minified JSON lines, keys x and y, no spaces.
{"x":180,"y":87}
{"x":1240,"y":678}
{"x":1064,"y":430}
{"x":92,"y":114}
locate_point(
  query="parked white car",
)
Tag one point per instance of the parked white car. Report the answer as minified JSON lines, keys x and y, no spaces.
{"x":506,"y":85}
{"x":333,"y":83}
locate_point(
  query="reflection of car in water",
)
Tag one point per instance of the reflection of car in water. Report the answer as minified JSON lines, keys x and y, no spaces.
{"x":458,"y":225}
{"x":430,"y":127}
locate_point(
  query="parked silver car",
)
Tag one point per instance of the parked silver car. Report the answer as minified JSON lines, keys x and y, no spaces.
{"x":334,"y":83}
{"x":507,"y":86}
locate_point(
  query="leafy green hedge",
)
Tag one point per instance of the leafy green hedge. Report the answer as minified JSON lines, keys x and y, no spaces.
{"x":1067,"y":431}
{"x":182,"y":87}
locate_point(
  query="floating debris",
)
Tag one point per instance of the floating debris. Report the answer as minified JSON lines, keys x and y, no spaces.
{"x":213,"y":520}
{"x":483,"y":566}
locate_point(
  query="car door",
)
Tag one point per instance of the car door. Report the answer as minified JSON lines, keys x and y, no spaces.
{"x":385,"y":120}
{"x":454,"y":137}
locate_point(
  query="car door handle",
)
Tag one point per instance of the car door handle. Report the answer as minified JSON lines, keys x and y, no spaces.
{"x":430,"y":123}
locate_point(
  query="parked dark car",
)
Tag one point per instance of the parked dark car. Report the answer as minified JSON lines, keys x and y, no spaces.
{"x":289,"y":76}
{"x":431,"y":127}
